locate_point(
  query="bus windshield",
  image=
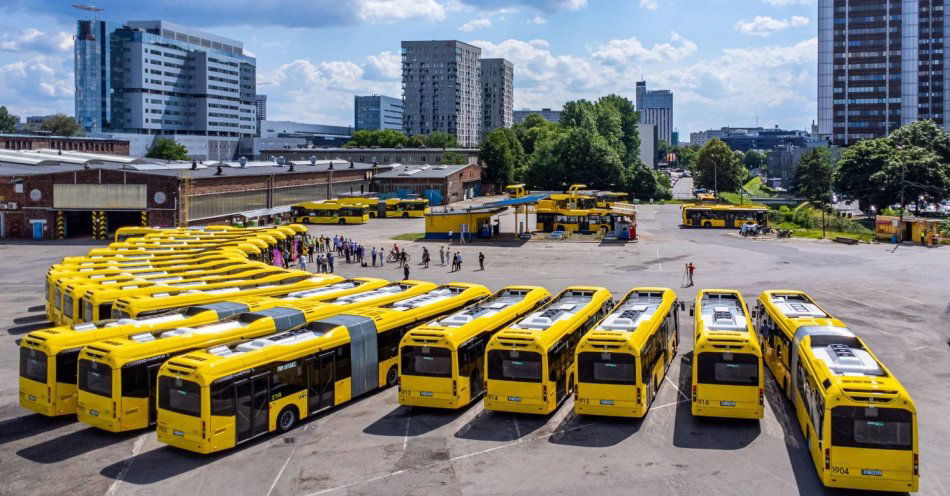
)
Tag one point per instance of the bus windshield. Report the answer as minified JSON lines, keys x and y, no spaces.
{"x":33,"y":364}
{"x":179,"y":396}
{"x":733,"y":369}
{"x":876,"y":428}
{"x":95,"y":378}
{"x":505,"y":365}
{"x":606,"y":368}
{"x":426,"y":361}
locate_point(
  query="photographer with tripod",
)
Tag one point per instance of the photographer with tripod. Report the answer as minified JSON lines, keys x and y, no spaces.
{"x":688,"y":275}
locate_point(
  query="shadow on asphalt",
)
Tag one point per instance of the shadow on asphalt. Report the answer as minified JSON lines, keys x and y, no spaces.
{"x":74,"y":444}
{"x":589,"y":431}
{"x":159,"y":464}
{"x":28,"y":328}
{"x":707,"y":432}
{"x":26,"y":426}
{"x":501,"y":426}
{"x":414,"y":421}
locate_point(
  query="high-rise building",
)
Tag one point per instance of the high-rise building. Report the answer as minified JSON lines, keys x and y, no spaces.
{"x":377,"y":112}
{"x":548,"y":114}
{"x":260,"y":107}
{"x":880,"y":66}
{"x":158,"y":78}
{"x":656,"y":107}
{"x":497,"y":94}
{"x":442,"y":89}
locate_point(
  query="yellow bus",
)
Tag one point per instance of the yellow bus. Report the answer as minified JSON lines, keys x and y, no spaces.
{"x":859,"y":423}
{"x":572,"y":212}
{"x":530,"y":364}
{"x":405,"y":208}
{"x":728,"y":378}
{"x":442,"y":363}
{"x":622,"y":361}
{"x":151,"y":301}
{"x":371,"y":203}
{"x":516,"y":191}
{"x":724,"y":215}
{"x":214,"y":399}
{"x":329,"y":213}
{"x":54,"y":392}
{"x":99,"y":298}
{"x":607,"y":199}
{"x":117,"y":377}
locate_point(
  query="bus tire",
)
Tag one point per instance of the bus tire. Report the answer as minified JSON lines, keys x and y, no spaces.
{"x":342,"y":221}
{"x":707,"y":224}
{"x":405,"y":215}
{"x":392,"y":376}
{"x":287,"y":418}
{"x":306,"y":220}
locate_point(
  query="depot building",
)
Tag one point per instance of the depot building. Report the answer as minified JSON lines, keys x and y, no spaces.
{"x":55,"y":194}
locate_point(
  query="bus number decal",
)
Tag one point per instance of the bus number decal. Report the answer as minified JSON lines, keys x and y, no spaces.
{"x":840,"y":471}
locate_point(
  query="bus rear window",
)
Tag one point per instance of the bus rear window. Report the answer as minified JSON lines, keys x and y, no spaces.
{"x":426,"y":361}
{"x":606,"y":368}
{"x":179,"y":396}
{"x":731,"y":369}
{"x":95,"y":378}
{"x":875,"y":428}
{"x":523,"y":366}
{"x":33,"y":364}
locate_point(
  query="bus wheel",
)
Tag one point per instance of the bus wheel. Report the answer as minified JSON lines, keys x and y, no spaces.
{"x":392,"y":376}
{"x":306,"y":220}
{"x":287,"y":418}
{"x":707,"y":224}
{"x":405,"y":215}
{"x":342,"y":221}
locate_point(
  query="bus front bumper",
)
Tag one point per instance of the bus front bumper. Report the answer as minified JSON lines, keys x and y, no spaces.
{"x":607,"y":408}
{"x":872,"y":483}
{"x":415,"y":398}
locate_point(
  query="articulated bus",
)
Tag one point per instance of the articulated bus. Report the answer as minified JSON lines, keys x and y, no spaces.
{"x":572,"y":212}
{"x":530,"y":364}
{"x":325,"y":212}
{"x":442,"y":363}
{"x":96,"y":300}
{"x":117,"y":377}
{"x":728,"y":378}
{"x":859,"y":423}
{"x":214,"y":399}
{"x":56,"y":350}
{"x":622,"y":361}
{"x":73,"y":289}
{"x":405,"y":208}
{"x":724,"y":215}
{"x":151,"y":301}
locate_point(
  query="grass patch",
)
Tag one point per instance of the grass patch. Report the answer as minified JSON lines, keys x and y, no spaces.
{"x":816,"y":234}
{"x":755,"y":187}
{"x":409,"y":236}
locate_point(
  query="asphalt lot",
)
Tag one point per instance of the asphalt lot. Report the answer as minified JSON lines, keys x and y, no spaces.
{"x":898,"y":301}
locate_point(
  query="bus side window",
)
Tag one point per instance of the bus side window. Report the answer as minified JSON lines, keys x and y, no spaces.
{"x":343,"y":366}
{"x":288,"y":378}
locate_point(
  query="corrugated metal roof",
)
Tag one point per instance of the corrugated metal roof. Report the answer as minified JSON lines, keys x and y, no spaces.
{"x":422,"y":171}
{"x":524,"y":200}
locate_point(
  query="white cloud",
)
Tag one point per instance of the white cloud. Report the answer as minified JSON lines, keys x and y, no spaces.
{"x":31,"y":40}
{"x":479,"y":23}
{"x":630,"y":50}
{"x":648,"y":4}
{"x":38,"y":85}
{"x":386,"y":66}
{"x":537,"y":20}
{"x":765,"y":25}
{"x":381,"y":11}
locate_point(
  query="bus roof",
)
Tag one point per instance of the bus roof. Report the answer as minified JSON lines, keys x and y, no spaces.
{"x":798,"y":309}
{"x":640,"y":309}
{"x":547,"y":324}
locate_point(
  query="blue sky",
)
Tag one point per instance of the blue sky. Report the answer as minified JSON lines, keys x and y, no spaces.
{"x":728,"y":62}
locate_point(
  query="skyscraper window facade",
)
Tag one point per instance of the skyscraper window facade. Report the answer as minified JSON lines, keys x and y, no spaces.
{"x":377,"y":112}
{"x":497,"y":94}
{"x":656,"y":107}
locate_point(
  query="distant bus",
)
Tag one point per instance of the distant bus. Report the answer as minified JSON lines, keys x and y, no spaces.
{"x":724,"y":215}
{"x":329,"y":213}
{"x":398,"y":207}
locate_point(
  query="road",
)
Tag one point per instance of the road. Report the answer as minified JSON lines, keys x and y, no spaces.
{"x":898,"y":301}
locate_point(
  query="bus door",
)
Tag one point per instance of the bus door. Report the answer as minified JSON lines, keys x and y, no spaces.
{"x":152,"y":374}
{"x":320,"y":371}
{"x":730,"y":219}
{"x":696,"y":217}
{"x":583,"y":223}
{"x":252,"y":395}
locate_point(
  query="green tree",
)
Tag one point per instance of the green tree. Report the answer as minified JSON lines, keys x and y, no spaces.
{"x":453,"y":158}
{"x":686,"y":156}
{"x":755,"y":159}
{"x":533,"y":128}
{"x":717,"y":168}
{"x":852,"y":177}
{"x":663,"y":149}
{"x":416,"y":141}
{"x":61,"y":125}
{"x":439,"y":139}
{"x":812,"y":178}
{"x":383,"y":138}
{"x":167,"y":149}
{"x":503,"y":156}
{"x":7,"y":121}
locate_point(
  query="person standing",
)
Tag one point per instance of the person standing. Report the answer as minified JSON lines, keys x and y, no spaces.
{"x":689,"y":271}
{"x":303,"y":263}
{"x":458,"y":260}
{"x":329,"y":261}
{"x":442,"y":256}
{"x":405,"y":271}
{"x":425,"y":257}
{"x":372,"y":255}
{"x":481,"y":261}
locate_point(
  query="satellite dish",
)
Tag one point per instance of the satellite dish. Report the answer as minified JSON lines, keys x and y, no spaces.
{"x":242,"y":161}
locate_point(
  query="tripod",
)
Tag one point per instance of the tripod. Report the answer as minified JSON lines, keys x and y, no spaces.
{"x":685,"y":281}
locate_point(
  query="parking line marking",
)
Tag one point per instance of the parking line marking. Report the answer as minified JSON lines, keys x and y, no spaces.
{"x":677,"y":402}
{"x":114,"y":487}
{"x":658,"y":258}
{"x":405,"y":439}
{"x":667,"y":378}
{"x":282,"y":468}
{"x":517,"y":428}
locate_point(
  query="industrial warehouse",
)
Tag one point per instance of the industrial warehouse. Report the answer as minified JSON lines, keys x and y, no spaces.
{"x":55,"y":194}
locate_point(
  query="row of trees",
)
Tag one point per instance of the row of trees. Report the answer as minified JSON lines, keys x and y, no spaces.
{"x":57,"y":125}
{"x":391,"y":138}
{"x":595,"y":143}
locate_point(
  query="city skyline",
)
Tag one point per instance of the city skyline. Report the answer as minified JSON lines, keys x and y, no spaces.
{"x":757,"y":64}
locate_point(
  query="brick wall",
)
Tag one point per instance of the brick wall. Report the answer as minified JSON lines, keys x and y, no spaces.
{"x":77,"y":144}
